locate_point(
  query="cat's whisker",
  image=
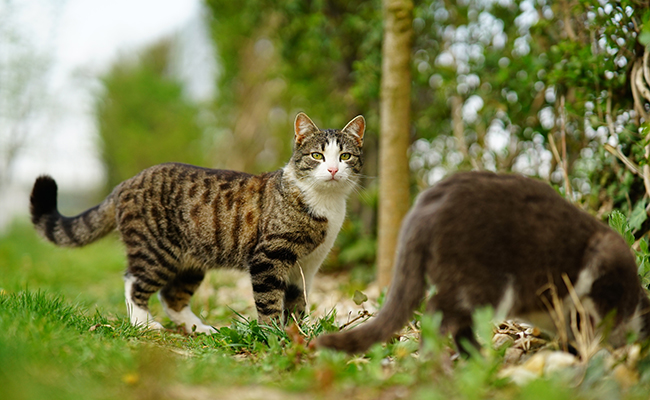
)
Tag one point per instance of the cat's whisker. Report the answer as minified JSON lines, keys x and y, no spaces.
{"x":356,"y":188}
{"x":368,"y":177}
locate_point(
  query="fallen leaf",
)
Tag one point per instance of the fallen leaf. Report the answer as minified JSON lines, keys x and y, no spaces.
{"x":359,"y":297}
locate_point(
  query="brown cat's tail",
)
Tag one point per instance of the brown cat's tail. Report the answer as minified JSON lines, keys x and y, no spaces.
{"x":77,"y":231}
{"x":405,"y":294}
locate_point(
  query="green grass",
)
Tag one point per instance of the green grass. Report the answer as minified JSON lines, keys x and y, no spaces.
{"x":63,"y":335}
{"x":89,"y":275}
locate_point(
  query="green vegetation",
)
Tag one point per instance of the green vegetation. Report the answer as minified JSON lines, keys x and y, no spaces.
{"x":144,"y":119}
{"x":65,"y":336}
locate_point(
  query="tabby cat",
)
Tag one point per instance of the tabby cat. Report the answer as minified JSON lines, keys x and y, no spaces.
{"x":504,"y":241}
{"x":178,"y":220}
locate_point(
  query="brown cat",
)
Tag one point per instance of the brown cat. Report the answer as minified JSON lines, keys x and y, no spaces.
{"x":177,"y":221}
{"x":498,"y":240}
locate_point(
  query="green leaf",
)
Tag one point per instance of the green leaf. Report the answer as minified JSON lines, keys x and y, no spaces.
{"x":644,"y":268}
{"x":619,"y":223}
{"x":359,"y":297}
{"x":644,"y":38}
{"x":639,"y":215}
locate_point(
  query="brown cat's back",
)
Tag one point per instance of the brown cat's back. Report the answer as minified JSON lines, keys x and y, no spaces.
{"x":508,"y":223}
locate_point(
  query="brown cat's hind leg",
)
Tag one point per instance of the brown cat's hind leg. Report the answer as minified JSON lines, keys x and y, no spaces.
{"x":464,"y":337}
{"x":175,"y":299}
{"x":455,"y":321}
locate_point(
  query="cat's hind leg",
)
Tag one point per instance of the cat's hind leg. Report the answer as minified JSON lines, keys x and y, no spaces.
{"x":149,"y":269}
{"x":137,"y":299}
{"x":175,"y":299}
{"x":456,"y":320}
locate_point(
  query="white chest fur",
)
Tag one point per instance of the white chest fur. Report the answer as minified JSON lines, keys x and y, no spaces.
{"x":335,"y":217}
{"x":327,"y":201}
{"x":335,"y":214}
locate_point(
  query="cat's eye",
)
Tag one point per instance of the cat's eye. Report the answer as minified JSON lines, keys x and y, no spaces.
{"x":317,"y":156}
{"x":345,"y":156}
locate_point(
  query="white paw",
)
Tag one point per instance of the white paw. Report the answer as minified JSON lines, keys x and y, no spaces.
{"x":142,"y":318}
{"x":186,"y":318}
{"x":207,"y":329}
{"x":137,"y":315}
{"x":152,"y":325}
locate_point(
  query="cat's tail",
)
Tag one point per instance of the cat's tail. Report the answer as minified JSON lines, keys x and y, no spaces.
{"x":81,"y":230}
{"x":405,"y":294}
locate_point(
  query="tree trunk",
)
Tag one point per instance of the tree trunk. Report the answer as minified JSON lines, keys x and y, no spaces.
{"x":395,"y":107}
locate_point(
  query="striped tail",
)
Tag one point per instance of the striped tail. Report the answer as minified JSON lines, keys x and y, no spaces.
{"x":81,"y":230}
{"x":405,"y":294}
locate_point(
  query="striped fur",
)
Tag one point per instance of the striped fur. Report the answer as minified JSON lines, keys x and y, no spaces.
{"x":177,"y":221}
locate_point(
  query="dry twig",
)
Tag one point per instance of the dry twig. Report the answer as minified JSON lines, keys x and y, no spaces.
{"x":586,"y":339}
{"x":559,"y":161}
{"x":639,"y":103}
{"x":556,"y":311}
{"x":608,"y":114}
{"x":565,"y":160}
{"x":628,"y":163}
{"x":362,"y":314}
{"x":640,"y":79}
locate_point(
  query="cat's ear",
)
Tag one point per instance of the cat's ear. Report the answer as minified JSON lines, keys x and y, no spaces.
{"x":303,"y":127}
{"x":356,"y":128}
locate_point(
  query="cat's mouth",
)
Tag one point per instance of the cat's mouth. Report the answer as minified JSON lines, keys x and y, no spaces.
{"x":333,"y":179}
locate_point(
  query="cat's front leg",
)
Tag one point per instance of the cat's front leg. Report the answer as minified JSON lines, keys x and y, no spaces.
{"x":269,"y":271}
{"x":301,"y":277}
{"x":278,"y":296}
{"x":294,"y":302}
{"x":269,"y":293}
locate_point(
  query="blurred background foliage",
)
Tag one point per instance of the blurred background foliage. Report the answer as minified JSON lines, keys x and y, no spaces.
{"x":534,"y":87}
{"x":144,"y":119}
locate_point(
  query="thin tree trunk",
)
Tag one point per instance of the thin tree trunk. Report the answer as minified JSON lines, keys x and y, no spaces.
{"x":395,"y":106}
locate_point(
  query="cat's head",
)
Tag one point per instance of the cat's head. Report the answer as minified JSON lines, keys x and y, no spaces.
{"x":328,"y":158}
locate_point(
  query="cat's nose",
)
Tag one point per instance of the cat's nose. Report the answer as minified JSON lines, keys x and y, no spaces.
{"x":333,"y":170}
